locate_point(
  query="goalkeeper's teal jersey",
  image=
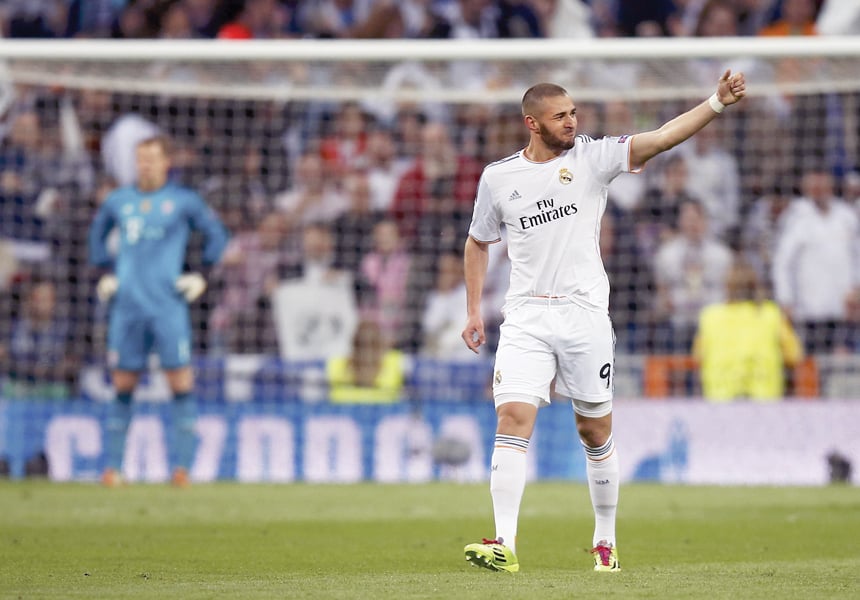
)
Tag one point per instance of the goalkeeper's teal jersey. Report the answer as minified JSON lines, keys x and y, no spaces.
{"x":153,"y":236}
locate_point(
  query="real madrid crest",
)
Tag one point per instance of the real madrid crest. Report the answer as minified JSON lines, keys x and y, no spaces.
{"x":565,"y":176}
{"x":497,"y":378}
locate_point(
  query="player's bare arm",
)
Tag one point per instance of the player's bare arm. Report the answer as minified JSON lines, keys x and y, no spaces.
{"x":731,"y":88}
{"x":475,"y":260}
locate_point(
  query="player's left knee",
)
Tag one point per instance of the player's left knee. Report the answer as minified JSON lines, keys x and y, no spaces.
{"x":594,"y":438}
{"x":593,"y":422}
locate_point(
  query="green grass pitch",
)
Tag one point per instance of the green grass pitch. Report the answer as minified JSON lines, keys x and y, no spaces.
{"x":231,"y":540}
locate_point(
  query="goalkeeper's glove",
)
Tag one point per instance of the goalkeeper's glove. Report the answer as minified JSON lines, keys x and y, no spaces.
{"x":191,"y":285}
{"x":107,"y":287}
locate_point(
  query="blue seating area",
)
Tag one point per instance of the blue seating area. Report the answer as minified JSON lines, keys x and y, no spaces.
{"x":434,"y":380}
{"x":269,"y":379}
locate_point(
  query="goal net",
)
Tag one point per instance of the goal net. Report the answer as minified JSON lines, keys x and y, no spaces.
{"x":346,"y":171}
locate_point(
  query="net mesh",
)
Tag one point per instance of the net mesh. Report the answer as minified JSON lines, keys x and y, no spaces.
{"x":347,"y":184}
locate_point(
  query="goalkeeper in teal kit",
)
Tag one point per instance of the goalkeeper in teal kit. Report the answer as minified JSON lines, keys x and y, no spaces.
{"x":149,"y":295}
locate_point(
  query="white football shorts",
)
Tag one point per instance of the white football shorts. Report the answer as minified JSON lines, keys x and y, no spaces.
{"x":554,"y":339}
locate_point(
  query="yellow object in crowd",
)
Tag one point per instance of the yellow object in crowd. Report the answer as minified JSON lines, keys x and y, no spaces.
{"x":742,"y":348}
{"x":373,"y":373}
{"x":387,"y":385}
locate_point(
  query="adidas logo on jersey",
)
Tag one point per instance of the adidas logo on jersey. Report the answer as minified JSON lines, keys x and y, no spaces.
{"x":515,"y":196}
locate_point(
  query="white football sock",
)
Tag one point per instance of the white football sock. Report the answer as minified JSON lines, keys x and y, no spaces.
{"x":507,"y":483}
{"x":602,"y":471}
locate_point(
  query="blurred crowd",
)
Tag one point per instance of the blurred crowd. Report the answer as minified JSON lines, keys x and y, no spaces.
{"x":460,"y":19}
{"x":348,"y":226}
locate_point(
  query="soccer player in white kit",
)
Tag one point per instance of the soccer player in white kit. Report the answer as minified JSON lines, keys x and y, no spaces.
{"x":551,"y":197}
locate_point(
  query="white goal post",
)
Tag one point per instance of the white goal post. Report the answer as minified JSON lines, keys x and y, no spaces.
{"x":621,"y":69}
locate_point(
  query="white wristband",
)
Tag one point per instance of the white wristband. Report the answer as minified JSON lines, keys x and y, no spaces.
{"x":715,"y":104}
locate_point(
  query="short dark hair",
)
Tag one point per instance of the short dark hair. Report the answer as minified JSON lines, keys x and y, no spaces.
{"x":538,"y":93}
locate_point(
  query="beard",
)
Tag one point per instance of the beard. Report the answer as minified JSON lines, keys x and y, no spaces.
{"x":553,"y":142}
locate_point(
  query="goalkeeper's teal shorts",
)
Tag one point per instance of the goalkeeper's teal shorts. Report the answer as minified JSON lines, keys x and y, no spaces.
{"x":133,"y":337}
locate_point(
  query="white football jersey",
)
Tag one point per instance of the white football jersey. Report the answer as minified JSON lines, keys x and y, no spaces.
{"x":552,"y":213}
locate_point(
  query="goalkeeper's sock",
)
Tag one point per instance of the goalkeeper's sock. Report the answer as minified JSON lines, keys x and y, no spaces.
{"x":507,"y":483}
{"x":183,"y":416}
{"x":119,"y":416}
{"x":603,"y":473}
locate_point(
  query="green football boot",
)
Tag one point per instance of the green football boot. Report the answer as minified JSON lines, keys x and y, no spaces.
{"x":492,"y":555}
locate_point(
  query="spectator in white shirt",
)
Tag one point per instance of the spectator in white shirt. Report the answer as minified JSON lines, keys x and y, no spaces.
{"x":690,"y":272}
{"x":839,"y":17}
{"x":714,"y":179}
{"x":816,"y":266}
